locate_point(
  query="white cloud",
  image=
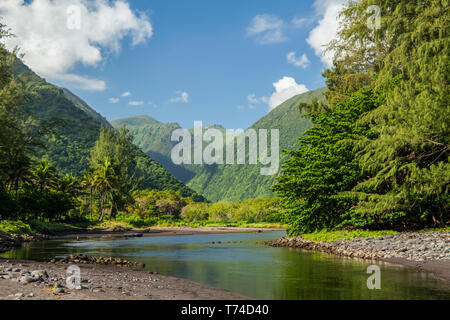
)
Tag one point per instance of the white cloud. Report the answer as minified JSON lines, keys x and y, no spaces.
{"x":301,"y":62}
{"x":252,"y":99}
{"x":182,"y":97}
{"x":285,"y":89}
{"x":53,"y":42}
{"x":126,"y":94}
{"x":267,"y":29}
{"x":299,"y":22}
{"x":136,"y":103}
{"x":80,"y":82}
{"x":114,"y":100}
{"x":326,"y":29}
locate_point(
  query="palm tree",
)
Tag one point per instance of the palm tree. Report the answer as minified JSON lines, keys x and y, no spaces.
{"x":105,"y":180}
{"x":88,"y":182}
{"x":17,"y":169}
{"x":45,"y":176}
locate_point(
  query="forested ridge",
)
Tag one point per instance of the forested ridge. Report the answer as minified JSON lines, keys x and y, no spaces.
{"x":222,"y":182}
{"x":66,"y":148}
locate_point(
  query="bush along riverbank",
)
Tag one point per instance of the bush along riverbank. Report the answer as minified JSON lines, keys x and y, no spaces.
{"x":412,"y":246}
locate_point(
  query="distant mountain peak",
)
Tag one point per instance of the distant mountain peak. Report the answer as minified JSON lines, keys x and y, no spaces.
{"x":136,"y":121}
{"x":223,"y":182}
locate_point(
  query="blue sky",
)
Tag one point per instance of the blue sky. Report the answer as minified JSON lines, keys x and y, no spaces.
{"x":208,"y":60}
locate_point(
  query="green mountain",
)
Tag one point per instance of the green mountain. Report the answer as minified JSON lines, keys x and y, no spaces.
{"x":223,"y":182}
{"x":77,"y":128}
{"x":153,"y":137}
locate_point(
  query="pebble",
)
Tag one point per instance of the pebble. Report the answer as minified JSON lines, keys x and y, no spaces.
{"x":409,"y":245}
{"x":58,"y":291}
{"x":26,"y":279}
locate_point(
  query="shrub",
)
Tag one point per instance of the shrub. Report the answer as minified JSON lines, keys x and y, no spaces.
{"x":15,"y":227}
{"x":195,"y":212}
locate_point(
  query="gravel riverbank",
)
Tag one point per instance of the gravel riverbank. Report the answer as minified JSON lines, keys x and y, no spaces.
{"x":428,"y":251}
{"x":102,"y":278}
{"x":27,"y":280}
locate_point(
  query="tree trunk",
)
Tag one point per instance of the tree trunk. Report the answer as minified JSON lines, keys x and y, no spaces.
{"x":90,"y":204}
{"x":113,"y":212}
{"x":100,"y":218}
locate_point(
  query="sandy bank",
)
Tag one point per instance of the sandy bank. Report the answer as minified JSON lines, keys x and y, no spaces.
{"x":27,"y":280}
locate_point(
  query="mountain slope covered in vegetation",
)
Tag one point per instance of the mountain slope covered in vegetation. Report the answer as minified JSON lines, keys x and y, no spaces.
{"x":222,"y":182}
{"x":76,"y":127}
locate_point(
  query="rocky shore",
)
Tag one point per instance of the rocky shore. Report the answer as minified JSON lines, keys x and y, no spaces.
{"x":429,"y":251}
{"x":83,"y":259}
{"x":27,"y":280}
{"x":8,"y":242}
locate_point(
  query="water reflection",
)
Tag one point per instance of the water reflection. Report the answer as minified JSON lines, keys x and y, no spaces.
{"x":241,"y":263}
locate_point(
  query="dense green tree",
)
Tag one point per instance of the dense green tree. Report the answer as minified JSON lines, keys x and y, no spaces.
{"x":116,"y":149}
{"x":325,"y":164}
{"x":408,"y":169}
{"x":44,"y":176}
{"x":105,"y":180}
{"x":405,"y":173}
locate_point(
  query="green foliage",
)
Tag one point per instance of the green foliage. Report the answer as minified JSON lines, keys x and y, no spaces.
{"x":15,"y":227}
{"x":47,"y":195}
{"x":346,"y":235}
{"x":50,"y":137}
{"x":8,"y":206}
{"x":407,"y":165}
{"x":241,"y":182}
{"x":324,"y":165}
{"x":127,"y":222}
{"x":51,"y":227}
{"x":250,"y":211}
{"x":154,"y":203}
{"x":222,"y":182}
{"x":154,"y":138}
{"x":76,"y":128}
{"x":395,"y":173}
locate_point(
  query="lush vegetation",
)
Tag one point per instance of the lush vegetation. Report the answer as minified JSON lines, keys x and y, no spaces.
{"x":344,"y":235}
{"x":75,"y":130}
{"x":377,"y":156}
{"x":59,"y":159}
{"x":250,"y":211}
{"x":111,"y":184}
{"x":169,"y":208}
{"x":222,"y":182}
{"x":119,"y":186}
{"x":325,"y":165}
{"x":153,"y":208}
{"x":154,"y":138}
{"x":373,"y":152}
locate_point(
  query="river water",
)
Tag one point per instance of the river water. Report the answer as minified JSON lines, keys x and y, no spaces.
{"x":241,"y":263}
